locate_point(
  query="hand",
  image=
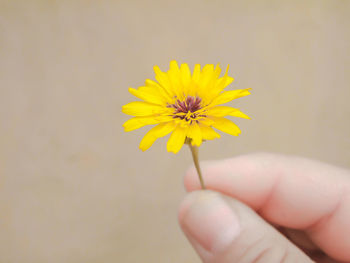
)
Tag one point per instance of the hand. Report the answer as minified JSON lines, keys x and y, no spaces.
{"x":268,"y":208}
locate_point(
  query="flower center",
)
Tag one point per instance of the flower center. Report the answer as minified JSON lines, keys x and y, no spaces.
{"x":187,"y":109}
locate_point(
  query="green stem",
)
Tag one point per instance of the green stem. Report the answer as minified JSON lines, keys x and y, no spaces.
{"x":194,"y":151}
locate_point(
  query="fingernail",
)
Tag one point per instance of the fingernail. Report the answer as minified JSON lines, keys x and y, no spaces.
{"x":209,"y":220}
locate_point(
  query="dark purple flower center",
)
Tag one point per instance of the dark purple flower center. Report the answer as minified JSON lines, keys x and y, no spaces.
{"x":190,"y":104}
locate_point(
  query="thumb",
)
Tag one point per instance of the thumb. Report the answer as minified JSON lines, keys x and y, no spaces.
{"x":222,"y":229}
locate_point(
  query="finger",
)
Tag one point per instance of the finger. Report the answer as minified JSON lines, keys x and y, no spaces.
{"x":222,"y":230}
{"x":288,"y":191}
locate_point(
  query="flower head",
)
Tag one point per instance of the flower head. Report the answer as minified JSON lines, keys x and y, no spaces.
{"x":185,"y":105}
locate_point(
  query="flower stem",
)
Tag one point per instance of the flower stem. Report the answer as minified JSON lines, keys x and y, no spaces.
{"x":194,"y":151}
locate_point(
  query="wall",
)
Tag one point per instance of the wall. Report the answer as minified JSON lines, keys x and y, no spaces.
{"x":75,"y":188}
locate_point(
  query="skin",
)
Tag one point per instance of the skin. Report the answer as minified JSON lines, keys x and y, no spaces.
{"x":268,"y":208}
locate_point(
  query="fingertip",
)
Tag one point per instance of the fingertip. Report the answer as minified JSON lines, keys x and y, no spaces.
{"x":222,"y":229}
{"x":185,"y":205}
{"x":208,"y":220}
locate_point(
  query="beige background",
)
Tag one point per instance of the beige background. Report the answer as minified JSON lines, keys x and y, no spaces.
{"x":75,"y":188}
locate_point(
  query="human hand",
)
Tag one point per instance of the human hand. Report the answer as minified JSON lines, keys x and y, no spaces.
{"x":268,"y":208}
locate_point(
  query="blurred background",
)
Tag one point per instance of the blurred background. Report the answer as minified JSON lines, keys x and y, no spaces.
{"x":74,"y":187}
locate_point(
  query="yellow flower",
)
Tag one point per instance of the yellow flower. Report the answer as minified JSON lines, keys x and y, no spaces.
{"x":185,"y":105}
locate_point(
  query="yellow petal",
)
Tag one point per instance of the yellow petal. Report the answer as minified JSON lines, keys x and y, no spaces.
{"x":163,"y":80}
{"x":148,"y":94}
{"x":206,"y":121}
{"x":156,"y":132}
{"x":230,"y":95}
{"x":196,"y":73}
{"x":206,"y":78}
{"x":224,"y":82}
{"x":221,"y":111}
{"x":208,"y":133}
{"x":226,"y":126}
{"x":208,"y":68}
{"x":163,"y":92}
{"x":211,"y":86}
{"x":239,"y":114}
{"x":217,"y":71}
{"x":175,"y":79}
{"x":174,"y":66}
{"x":139,"y":122}
{"x":194,"y":132}
{"x":185,"y":75}
{"x":140,"y":108}
{"x":177,"y":139}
